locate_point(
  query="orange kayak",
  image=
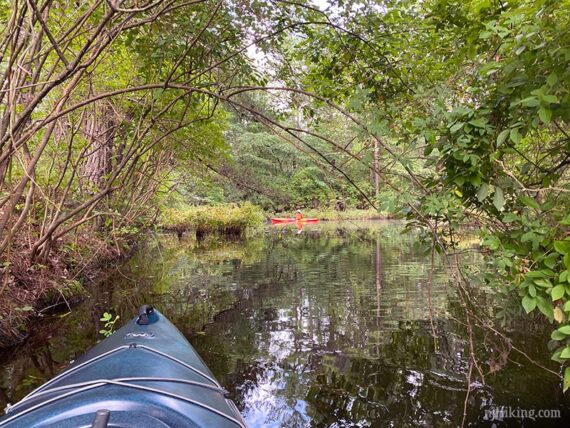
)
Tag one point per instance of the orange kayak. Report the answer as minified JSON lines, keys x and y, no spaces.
{"x":292,"y":220}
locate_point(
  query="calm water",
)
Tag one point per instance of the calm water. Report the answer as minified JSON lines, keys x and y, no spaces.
{"x":330,"y":327}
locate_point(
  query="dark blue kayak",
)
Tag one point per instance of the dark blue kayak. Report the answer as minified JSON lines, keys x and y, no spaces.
{"x":144,"y":375}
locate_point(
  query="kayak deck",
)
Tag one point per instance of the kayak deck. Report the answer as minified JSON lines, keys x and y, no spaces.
{"x":143,"y":375}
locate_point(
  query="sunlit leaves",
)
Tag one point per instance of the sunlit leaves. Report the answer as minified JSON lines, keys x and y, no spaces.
{"x":565,"y":330}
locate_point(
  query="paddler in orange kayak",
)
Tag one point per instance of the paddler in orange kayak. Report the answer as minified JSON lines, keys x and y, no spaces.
{"x":298,"y":222}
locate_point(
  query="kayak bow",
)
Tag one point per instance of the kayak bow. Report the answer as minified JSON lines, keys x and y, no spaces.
{"x":144,"y":375}
{"x":292,"y":220}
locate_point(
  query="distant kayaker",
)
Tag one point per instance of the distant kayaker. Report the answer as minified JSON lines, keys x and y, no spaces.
{"x":298,"y":215}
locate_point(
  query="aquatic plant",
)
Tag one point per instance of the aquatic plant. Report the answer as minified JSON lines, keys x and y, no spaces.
{"x":109,"y":327}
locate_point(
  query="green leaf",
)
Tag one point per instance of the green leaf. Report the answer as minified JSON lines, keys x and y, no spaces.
{"x":499,"y":199}
{"x":532,"y":290}
{"x":456,"y":127}
{"x":563,"y":276}
{"x":550,"y":261}
{"x":545,"y":115}
{"x":562,"y":247}
{"x":552,"y":79}
{"x":556,"y":335}
{"x":545,"y":283}
{"x":530,"y":102}
{"x":515,"y":136}
{"x":542,"y":273}
{"x":557,"y":292}
{"x":492,"y":242}
{"x":566,"y":381}
{"x":565,"y":221}
{"x":565,"y":354}
{"x":556,"y":355}
{"x":565,"y":329}
{"x":529,"y":202}
{"x":478,"y":123}
{"x":552,"y":99}
{"x":502,"y":137}
{"x":546,"y":308}
{"x":567,"y":306}
{"x":528,"y":303}
{"x":483,"y":192}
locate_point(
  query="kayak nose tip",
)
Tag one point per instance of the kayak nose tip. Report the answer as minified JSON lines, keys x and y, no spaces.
{"x":146,"y":315}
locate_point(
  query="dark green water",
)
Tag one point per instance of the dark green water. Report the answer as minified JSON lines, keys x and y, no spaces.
{"x":330,"y":327}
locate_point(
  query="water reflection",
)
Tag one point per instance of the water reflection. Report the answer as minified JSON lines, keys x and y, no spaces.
{"x":330,"y":327}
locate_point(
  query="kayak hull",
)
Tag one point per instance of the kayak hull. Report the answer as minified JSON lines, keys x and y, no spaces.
{"x":143,"y":375}
{"x":292,"y":220}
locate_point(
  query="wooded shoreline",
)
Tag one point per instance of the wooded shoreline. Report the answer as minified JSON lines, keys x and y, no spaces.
{"x":37,"y":290}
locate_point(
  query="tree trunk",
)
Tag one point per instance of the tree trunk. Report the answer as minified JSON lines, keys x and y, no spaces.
{"x":375,"y":173}
{"x":99,"y":130}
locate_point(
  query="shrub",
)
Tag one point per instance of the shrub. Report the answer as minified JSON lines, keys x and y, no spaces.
{"x":227,"y":219}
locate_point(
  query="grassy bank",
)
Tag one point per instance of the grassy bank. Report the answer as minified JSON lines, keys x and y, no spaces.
{"x":226,"y":219}
{"x":331,"y":214}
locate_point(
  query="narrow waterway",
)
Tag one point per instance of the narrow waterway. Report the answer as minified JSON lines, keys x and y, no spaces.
{"x":328,"y":327}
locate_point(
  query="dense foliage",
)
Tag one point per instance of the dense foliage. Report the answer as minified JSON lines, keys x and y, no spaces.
{"x":224,"y":219}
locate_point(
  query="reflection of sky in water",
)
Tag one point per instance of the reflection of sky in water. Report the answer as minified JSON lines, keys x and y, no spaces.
{"x":265,"y":406}
{"x":281,"y":344}
{"x":362,"y":317}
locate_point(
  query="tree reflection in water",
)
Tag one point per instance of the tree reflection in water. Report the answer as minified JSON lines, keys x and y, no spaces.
{"x":327,"y":328}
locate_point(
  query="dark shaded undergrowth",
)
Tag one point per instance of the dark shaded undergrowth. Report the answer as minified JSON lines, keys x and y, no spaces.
{"x":31,"y":290}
